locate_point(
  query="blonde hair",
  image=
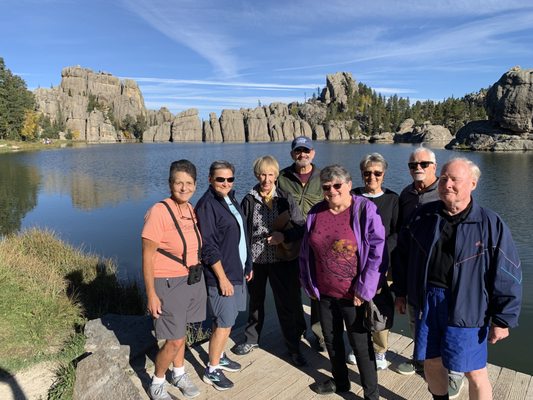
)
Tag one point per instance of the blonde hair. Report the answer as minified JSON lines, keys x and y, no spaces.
{"x":264,"y":163}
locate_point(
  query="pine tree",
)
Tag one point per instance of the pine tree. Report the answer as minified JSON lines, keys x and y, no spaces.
{"x":15,"y":101}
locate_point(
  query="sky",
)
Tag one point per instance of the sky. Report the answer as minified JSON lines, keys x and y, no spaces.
{"x":228,"y":54}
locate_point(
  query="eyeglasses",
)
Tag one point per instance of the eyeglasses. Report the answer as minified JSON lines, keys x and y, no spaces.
{"x":302,"y":150}
{"x":327,"y":188}
{"x":423,"y":164}
{"x":221,"y":179}
{"x":377,"y":174}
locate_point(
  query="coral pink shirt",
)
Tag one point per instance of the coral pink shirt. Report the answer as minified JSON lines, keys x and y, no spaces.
{"x":159,"y":228}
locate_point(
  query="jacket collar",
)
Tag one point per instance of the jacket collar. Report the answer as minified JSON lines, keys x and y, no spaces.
{"x":475,"y":214}
{"x":213,"y":192}
{"x":255,"y":193}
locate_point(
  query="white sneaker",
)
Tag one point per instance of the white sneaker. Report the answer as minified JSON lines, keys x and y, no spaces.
{"x":381,"y":361}
{"x":350,"y":358}
{"x":187,"y":387}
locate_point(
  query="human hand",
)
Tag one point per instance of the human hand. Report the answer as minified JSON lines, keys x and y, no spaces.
{"x":357,"y":301}
{"x":249,"y":276}
{"x":226,"y":288}
{"x":400,"y":304}
{"x":154,"y":306}
{"x":497,"y":333}
{"x":276,"y":238}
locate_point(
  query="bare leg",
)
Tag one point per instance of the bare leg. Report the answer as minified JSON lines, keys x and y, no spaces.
{"x":436,"y":376}
{"x":479,"y":387}
{"x":173,"y":351}
{"x":217,"y":343}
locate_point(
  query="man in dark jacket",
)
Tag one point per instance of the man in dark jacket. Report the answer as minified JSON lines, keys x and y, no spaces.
{"x":457,"y":265}
{"x":302,"y":180}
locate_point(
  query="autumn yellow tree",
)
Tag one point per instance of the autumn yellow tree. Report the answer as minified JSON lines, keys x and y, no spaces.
{"x":30,"y":126}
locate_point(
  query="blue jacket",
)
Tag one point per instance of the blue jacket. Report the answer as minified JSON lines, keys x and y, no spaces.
{"x":486,"y":278}
{"x":371,"y":249}
{"x":220,"y":237}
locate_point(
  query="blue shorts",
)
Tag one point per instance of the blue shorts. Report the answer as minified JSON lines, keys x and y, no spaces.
{"x":461,"y":349}
{"x":224,"y":309}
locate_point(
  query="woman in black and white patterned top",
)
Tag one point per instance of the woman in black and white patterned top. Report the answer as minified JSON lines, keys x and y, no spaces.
{"x":276,"y":226}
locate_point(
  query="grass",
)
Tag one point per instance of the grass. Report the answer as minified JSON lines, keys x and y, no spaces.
{"x":8,"y":146}
{"x":48,"y":289}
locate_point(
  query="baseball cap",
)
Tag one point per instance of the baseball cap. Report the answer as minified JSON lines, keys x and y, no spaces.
{"x":302,"y":141}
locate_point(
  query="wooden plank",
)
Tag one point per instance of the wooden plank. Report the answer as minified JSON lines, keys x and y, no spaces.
{"x":529,"y":394}
{"x":267,"y":374}
{"x":500,"y":390}
{"x":520,"y":386}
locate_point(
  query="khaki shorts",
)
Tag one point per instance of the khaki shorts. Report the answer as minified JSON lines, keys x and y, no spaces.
{"x":180,"y":304}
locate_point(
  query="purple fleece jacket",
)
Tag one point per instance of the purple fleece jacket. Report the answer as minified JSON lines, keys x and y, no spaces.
{"x":371,"y":249}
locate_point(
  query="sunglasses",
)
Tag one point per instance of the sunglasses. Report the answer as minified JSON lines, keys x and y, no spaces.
{"x":327,"y":188}
{"x":423,"y":164}
{"x":302,"y":150}
{"x":221,"y":179}
{"x":377,"y":174}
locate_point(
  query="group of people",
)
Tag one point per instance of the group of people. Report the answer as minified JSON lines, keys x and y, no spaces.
{"x":451,"y":264}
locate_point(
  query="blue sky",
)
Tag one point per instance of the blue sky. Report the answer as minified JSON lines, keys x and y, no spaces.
{"x":215,"y":54}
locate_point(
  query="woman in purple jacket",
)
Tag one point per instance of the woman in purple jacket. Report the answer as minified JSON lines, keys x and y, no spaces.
{"x":342,"y":262}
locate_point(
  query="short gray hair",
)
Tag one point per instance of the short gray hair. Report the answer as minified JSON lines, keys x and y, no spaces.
{"x":220,"y":164}
{"x":335,"y":172}
{"x":422,"y":149}
{"x":373,"y":158}
{"x":474,"y":169}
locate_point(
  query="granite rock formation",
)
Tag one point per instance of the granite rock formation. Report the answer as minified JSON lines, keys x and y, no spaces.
{"x":339,"y":87}
{"x":116,"y":348}
{"x":509,"y":106}
{"x":186,"y":127}
{"x":509,"y":102}
{"x":426,"y":133}
{"x":489,"y":136}
{"x":70,"y":102}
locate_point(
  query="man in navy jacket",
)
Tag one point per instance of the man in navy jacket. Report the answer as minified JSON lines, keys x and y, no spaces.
{"x":457,"y":265}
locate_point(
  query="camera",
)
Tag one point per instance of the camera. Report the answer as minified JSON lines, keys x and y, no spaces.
{"x":195,"y":274}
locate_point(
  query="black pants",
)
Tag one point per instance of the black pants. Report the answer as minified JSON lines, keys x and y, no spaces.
{"x":334,"y":313}
{"x":285,"y":284}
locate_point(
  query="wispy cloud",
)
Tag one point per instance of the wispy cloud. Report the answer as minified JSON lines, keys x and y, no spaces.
{"x":248,"y":85}
{"x":185,"y":23}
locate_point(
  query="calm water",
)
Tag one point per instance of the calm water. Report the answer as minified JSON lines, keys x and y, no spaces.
{"x":96,"y":197}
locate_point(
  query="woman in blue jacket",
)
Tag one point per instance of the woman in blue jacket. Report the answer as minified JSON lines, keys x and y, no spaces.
{"x":227,"y":263}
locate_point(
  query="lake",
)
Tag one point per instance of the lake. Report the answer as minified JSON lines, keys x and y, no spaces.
{"x":95,"y":196}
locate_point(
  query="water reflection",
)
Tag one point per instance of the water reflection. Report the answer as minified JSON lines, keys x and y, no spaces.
{"x":19,"y":185}
{"x":87,"y":191}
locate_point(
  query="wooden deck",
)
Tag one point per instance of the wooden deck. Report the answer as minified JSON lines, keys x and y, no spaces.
{"x":266,"y":374}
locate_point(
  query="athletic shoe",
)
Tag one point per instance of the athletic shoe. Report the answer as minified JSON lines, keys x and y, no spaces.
{"x":228,"y":365}
{"x":244,"y":348}
{"x":350,"y":358}
{"x":410,"y":367}
{"x":381,"y":361}
{"x":187,"y":387}
{"x":217,"y":379}
{"x":330,"y":387}
{"x":455,"y":384}
{"x":158,"y":392}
